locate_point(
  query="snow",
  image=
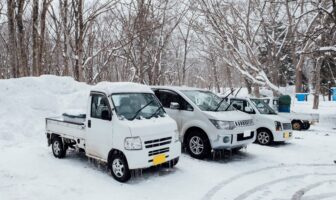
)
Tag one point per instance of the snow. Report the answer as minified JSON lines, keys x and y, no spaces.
{"x":121,"y":87}
{"x":302,"y":167}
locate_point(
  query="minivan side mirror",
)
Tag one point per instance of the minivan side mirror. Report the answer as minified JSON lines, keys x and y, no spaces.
{"x":174,"y":105}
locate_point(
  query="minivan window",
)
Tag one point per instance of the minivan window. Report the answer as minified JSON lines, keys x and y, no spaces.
{"x":207,"y":101}
{"x":166,"y":97}
{"x":137,"y":105}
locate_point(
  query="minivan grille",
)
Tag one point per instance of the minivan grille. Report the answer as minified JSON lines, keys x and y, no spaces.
{"x":244,"y":123}
{"x":158,"y":151}
{"x":287,"y":126}
{"x":158,"y":142}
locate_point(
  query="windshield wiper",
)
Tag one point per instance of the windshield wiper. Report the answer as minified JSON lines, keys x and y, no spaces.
{"x":219,"y":104}
{"x":137,"y":112}
{"x":157,"y":110}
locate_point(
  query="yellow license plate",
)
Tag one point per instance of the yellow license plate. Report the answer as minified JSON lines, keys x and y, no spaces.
{"x":286,"y":135}
{"x":159,"y":159}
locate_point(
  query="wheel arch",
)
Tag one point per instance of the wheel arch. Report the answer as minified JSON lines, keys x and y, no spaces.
{"x":190,"y":130}
{"x":112,"y":153}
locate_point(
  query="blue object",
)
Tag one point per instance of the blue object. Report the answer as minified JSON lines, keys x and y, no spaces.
{"x":333,"y":93}
{"x":284,"y":108}
{"x":301,"y":96}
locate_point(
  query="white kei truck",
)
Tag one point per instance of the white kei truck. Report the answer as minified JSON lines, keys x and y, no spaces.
{"x":125,"y":126}
{"x":271,"y":127}
{"x":205,"y":121}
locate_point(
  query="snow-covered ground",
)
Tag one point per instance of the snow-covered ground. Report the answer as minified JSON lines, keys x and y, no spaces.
{"x":304,"y":168}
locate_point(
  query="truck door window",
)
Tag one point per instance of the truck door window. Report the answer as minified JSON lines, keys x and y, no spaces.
{"x":99,"y":107}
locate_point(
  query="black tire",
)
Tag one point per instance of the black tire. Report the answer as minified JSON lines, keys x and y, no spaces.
{"x":119,"y":168}
{"x":305,"y":125}
{"x":58,"y":149}
{"x":264,"y":137}
{"x":171,"y":163}
{"x":297,"y":125}
{"x":198,"y":145}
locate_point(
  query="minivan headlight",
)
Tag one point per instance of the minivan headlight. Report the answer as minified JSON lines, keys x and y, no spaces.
{"x":133,"y":143}
{"x":227,"y":125}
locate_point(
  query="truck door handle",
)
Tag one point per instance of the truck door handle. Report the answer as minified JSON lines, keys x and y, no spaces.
{"x":89,"y":123}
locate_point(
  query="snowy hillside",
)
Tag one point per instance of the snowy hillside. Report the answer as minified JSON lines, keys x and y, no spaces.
{"x":304,"y":167}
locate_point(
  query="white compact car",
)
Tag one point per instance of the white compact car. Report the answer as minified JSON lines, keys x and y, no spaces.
{"x":205,"y":121}
{"x":270,"y":126}
{"x":124,"y":126}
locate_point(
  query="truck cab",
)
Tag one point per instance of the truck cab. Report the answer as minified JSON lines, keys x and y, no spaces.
{"x":124,"y":126}
{"x":204,"y":120}
{"x":270,"y":126}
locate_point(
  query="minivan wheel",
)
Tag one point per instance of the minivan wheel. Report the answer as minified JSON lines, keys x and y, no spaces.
{"x":58,"y":149}
{"x":119,"y":168}
{"x":305,"y":125}
{"x":264,"y":137}
{"x":198,"y":145}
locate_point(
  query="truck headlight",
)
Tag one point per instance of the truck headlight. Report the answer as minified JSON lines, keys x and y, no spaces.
{"x":133,"y":143}
{"x":277,"y":126}
{"x":176,"y":136}
{"x":227,"y":125}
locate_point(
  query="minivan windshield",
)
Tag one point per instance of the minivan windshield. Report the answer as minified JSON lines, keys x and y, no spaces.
{"x":137,"y":105}
{"x":262,"y":107}
{"x":207,"y":101}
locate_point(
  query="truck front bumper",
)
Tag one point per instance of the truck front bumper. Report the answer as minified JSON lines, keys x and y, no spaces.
{"x":145,"y":158}
{"x":282,"y":136}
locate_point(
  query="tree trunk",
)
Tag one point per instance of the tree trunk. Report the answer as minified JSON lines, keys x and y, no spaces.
{"x":41,"y":64}
{"x":12,"y":39}
{"x":79,"y":34}
{"x":318,"y":83}
{"x":35,"y":38}
{"x":23,"y":69}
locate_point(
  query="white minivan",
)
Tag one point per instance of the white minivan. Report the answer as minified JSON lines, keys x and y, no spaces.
{"x":204,"y":120}
{"x":271,"y":127}
{"x":124,"y":126}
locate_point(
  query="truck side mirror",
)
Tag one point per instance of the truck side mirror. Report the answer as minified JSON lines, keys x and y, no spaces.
{"x":105,"y":115}
{"x":174,"y":106}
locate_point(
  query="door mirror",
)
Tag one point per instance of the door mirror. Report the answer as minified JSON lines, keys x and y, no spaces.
{"x":249,"y":109}
{"x":174,"y":105}
{"x":105,"y":115}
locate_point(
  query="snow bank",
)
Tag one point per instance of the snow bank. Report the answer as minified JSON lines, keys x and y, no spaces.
{"x":25,"y":102}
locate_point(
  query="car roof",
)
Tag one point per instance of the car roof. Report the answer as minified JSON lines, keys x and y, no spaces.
{"x":179,"y":88}
{"x":121,"y":87}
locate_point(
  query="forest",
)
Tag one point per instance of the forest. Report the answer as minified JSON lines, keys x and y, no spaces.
{"x":215,"y":44}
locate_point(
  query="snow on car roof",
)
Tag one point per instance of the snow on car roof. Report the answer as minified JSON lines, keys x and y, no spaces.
{"x":121,"y":87}
{"x":180,"y":88}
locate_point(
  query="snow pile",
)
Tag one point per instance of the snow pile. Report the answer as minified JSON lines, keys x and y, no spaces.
{"x":25,"y":102}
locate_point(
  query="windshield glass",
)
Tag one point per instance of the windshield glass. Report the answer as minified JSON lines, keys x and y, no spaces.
{"x":137,"y":105}
{"x":262,"y":107}
{"x":207,"y":101}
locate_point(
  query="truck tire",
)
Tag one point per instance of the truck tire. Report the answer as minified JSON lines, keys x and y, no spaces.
{"x":198,"y":145}
{"x":297,"y":125}
{"x":305,"y":125}
{"x":264,"y":137}
{"x":58,"y":149}
{"x":119,"y":168}
{"x":171,"y":163}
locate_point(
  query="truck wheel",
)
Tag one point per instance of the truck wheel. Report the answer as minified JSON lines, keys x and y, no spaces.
{"x":264,"y":137}
{"x":297,"y":125}
{"x":198,"y":145}
{"x":119,"y":168}
{"x":171,"y":163}
{"x":58,"y":149}
{"x":305,"y":125}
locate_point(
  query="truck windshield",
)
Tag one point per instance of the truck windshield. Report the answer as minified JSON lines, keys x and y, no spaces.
{"x":262,"y":107}
{"x":137,"y":105}
{"x":207,"y":101}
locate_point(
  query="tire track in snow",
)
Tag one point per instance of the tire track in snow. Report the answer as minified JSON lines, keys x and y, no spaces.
{"x":225,"y":182}
{"x":267,"y":184}
{"x":299,"y":194}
